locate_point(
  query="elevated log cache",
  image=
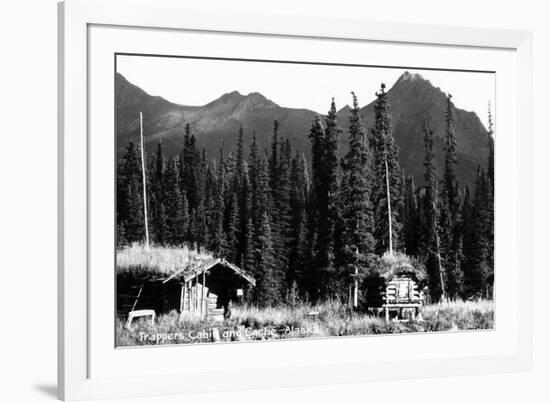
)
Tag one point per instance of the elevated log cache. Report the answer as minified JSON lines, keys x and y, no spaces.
{"x":394,"y":290}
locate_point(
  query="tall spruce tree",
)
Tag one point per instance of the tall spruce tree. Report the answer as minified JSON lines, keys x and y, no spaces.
{"x":324,"y":187}
{"x":476,"y":268}
{"x":189,"y":163}
{"x":283,"y":240}
{"x":173,"y":205}
{"x":183,"y":222}
{"x":232,"y":233}
{"x":158,"y":210}
{"x":217,"y":239}
{"x":491,"y":146}
{"x":355,"y":203}
{"x":130,"y":195}
{"x":258,"y":183}
{"x":274,"y":159}
{"x":268,"y":273}
{"x":449,"y":226}
{"x":298,"y":228}
{"x":410,"y":218}
{"x":313,"y":268}
{"x":268,"y":283}
{"x":329,"y":210}
{"x":241,"y":186}
{"x":431,"y":241}
{"x":490,"y":229}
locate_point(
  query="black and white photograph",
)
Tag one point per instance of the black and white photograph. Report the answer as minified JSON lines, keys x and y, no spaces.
{"x":275,"y":201}
{"x":261,"y":200}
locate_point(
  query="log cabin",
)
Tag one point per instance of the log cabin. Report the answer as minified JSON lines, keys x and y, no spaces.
{"x":394,"y":289}
{"x":194,"y":284}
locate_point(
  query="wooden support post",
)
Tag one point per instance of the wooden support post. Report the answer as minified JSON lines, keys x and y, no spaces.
{"x":197,"y":293}
{"x":189,"y":296}
{"x":182,"y":298}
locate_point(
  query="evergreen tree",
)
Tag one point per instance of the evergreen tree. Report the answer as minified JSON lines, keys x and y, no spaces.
{"x":313,"y":268}
{"x":491,"y":145}
{"x":476,"y":268}
{"x":201,"y":229}
{"x":218,"y":240}
{"x":324,"y":197}
{"x":386,"y":178}
{"x":239,"y":159}
{"x":259,"y":184}
{"x":261,"y":259}
{"x":172,"y":204}
{"x":244,"y":200}
{"x":130,"y":195}
{"x":268,"y":283}
{"x":248,"y":260}
{"x":490,"y":229}
{"x":298,"y":236}
{"x":158,"y":210}
{"x":274,"y":159}
{"x":355,"y":205}
{"x":282,"y":237}
{"x":241,"y":186}
{"x":449,"y":225}
{"x":189,"y":163}
{"x":431,"y":240}
{"x":329,"y":212}
{"x":230,"y":251}
{"x":449,"y":188}
{"x":183,"y":223}
{"x":454,"y":267}
{"x":411,"y":221}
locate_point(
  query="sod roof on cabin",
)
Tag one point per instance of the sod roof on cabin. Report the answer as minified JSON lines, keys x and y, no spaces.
{"x":399,"y":264}
{"x":167,"y":263}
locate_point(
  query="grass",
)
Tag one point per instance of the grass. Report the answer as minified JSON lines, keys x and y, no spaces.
{"x":399,"y":263}
{"x":250,"y":323}
{"x":158,"y":260}
{"x":459,"y":315}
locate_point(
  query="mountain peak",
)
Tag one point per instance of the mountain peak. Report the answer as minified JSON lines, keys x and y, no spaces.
{"x":415,"y":86}
{"x":258,"y":97}
{"x":406,"y":76}
{"x":256,"y":100}
{"x":253,"y":100}
{"x":344,"y":110}
{"x":232,"y":96}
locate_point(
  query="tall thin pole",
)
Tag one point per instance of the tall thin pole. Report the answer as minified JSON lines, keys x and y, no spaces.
{"x":389,"y":206}
{"x":356,"y":288}
{"x":439,"y":265}
{"x":144,"y":180}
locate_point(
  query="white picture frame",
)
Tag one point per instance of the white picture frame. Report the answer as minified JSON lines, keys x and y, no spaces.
{"x":74,"y":317}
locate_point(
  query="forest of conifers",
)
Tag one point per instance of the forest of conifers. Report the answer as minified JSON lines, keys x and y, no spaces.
{"x":303,"y":226}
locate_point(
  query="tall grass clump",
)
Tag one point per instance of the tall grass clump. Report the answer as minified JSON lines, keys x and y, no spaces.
{"x":160,"y":260}
{"x":459,"y":315}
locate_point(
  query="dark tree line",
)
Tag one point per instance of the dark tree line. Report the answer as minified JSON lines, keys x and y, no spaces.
{"x":302,"y":229}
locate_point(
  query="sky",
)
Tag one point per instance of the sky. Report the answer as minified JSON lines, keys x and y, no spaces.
{"x":196,"y":82}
